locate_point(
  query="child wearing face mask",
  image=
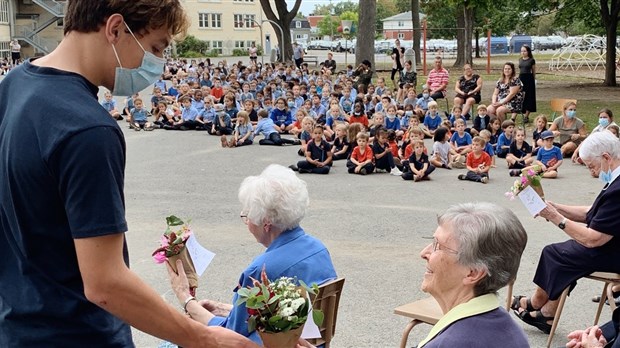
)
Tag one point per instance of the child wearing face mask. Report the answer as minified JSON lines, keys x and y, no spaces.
{"x":481,"y":121}
{"x":422,"y":104}
{"x":358,"y":115}
{"x":333,"y":117}
{"x":392,"y":122}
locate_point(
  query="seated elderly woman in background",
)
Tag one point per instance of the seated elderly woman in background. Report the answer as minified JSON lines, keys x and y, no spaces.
{"x":476,"y":251}
{"x":568,"y":129}
{"x":592,"y":230}
{"x":273,"y":204}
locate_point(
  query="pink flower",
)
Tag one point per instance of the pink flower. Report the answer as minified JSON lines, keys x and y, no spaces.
{"x":510,"y":195}
{"x":531,"y":172}
{"x":160,"y":257}
{"x":523,"y":180}
{"x":186,"y":232}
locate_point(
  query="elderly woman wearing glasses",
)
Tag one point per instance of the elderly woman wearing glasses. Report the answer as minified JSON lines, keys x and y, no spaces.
{"x":476,"y":250}
{"x":273,"y":204}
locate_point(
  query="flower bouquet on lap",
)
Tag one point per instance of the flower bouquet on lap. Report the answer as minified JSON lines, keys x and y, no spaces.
{"x":278,"y":309}
{"x":172,"y":248}
{"x":529,"y":177}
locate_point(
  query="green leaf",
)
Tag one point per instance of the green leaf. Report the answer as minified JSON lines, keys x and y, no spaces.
{"x":318,"y":317}
{"x":174,"y":221}
{"x":274,"y":299}
{"x":251,"y":324}
{"x":275,"y":319}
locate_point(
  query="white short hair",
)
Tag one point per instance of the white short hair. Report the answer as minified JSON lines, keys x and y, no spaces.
{"x":598,"y":143}
{"x":276,"y":196}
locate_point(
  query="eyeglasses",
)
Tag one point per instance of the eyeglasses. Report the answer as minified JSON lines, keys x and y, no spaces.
{"x":244,"y":218}
{"x":435,"y":245}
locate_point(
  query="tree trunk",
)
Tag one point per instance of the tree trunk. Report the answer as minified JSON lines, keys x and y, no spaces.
{"x":610,"y":21}
{"x":464,"y":22}
{"x":283,"y":19}
{"x":477,"y":33}
{"x":417,"y":29}
{"x":366,"y":33}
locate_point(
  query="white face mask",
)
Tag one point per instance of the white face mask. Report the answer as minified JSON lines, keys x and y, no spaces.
{"x":130,"y":81}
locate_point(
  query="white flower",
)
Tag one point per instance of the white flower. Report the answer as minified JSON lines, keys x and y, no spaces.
{"x":287,"y":311}
{"x":298,"y":303}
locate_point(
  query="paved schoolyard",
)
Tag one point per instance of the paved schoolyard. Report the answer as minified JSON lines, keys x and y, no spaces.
{"x":374,"y":227}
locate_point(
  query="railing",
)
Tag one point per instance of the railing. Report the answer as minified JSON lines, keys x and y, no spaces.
{"x":27,"y":34}
{"x":54,"y":7}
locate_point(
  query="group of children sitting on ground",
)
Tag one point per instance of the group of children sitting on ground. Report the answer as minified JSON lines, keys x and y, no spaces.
{"x":361,"y":124}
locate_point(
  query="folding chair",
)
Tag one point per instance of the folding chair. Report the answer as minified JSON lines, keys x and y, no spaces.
{"x":609,"y":279}
{"x":327,"y":300}
{"x":427,"y":311}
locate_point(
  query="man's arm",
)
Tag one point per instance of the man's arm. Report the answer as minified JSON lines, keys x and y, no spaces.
{"x":109,"y":284}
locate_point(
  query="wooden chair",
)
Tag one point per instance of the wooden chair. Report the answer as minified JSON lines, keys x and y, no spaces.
{"x":327,"y":300}
{"x":427,"y":311}
{"x":557,"y":106}
{"x":609,"y":279}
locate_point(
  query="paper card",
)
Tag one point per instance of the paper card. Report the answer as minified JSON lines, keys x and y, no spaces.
{"x":532,"y":201}
{"x":310,"y":330}
{"x":201,"y":257}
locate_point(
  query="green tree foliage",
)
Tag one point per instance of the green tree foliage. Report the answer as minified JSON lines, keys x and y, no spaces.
{"x":345,"y":6}
{"x":328,"y":26}
{"x":192,"y":44}
{"x":385,"y":9}
{"x":403,"y":5}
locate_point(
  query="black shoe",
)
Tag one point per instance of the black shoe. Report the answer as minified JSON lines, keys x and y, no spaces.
{"x":168,"y":127}
{"x":296,"y":142}
{"x":515,"y":172}
{"x":306,"y":171}
{"x":526,"y":119}
{"x":363,"y":171}
{"x":461,"y":176}
{"x":293,"y":168}
{"x":120,"y":118}
{"x":183,"y":128}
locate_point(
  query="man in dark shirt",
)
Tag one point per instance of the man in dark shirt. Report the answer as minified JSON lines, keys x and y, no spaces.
{"x":64,"y":275}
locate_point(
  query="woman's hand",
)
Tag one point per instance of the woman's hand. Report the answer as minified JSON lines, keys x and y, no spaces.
{"x":550,"y":213}
{"x":575,"y":137}
{"x":591,"y":337}
{"x":216,"y":308}
{"x":178,"y":282}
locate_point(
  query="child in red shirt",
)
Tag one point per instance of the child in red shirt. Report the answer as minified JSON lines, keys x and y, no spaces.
{"x":362,"y":159}
{"x":478,"y":162}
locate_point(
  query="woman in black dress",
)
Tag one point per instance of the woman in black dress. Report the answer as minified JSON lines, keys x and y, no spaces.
{"x":527,"y":75}
{"x":398,"y":55}
{"x":594,"y":232}
{"x":467,"y":89}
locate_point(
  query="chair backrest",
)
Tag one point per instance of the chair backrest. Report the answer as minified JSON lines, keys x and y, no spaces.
{"x":327,"y":300}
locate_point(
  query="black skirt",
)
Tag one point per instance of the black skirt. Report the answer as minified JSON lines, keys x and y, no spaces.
{"x":562,"y":264}
{"x":529,"y":87}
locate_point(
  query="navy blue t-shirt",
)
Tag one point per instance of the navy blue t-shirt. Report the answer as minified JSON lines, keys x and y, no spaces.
{"x":61,"y":178}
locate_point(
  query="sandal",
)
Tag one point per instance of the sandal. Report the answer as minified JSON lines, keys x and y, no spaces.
{"x":539,"y":321}
{"x":516,"y":304}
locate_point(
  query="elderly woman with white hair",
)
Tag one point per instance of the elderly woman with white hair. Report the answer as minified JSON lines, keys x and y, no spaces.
{"x":476,"y":250}
{"x":592,"y":230}
{"x":273,"y":205}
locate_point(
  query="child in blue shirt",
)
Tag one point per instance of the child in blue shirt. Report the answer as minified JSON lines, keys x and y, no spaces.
{"x":421,"y":105}
{"x":392,"y":122}
{"x":267,"y":128}
{"x":457,"y":115}
{"x":549,"y":157}
{"x":505,"y":139}
{"x":461,"y":140}
{"x":432,"y":120}
{"x":243,"y":134}
{"x":281,"y":116}
{"x":222,"y":125}
{"x":109,"y":104}
{"x":138,"y":119}
{"x":332,"y":117}
{"x":188,"y":116}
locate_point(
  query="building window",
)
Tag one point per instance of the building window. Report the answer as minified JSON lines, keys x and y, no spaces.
{"x":238,"y":20}
{"x":5,"y":50}
{"x":298,"y":36}
{"x":298,"y":24}
{"x":248,"y":1}
{"x":249,"y":43}
{"x":60,"y":23}
{"x":249,"y":20}
{"x":217,"y":46}
{"x":240,"y":44}
{"x":209,"y":20}
{"x":401,"y":24}
{"x":401,"y":36}
{"x":4,"y":11}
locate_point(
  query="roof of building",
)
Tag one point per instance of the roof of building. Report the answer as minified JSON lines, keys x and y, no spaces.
{"x":405,"y":16}
{"x":305,"y":24}
{"x":314,"y":20}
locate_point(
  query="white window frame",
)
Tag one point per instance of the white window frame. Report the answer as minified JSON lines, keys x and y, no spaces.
{"x":401,"y":23}
{"x":237,"y":21}
{"x":240,"y":45}
{"x":216,"y":20}
{"x":5,"y":49}
{"x":207,"y":20}
{"x":401,"y":36}
{"x":4,"y":12}
{"x":298,"y":24}
{"x":248,"y":20}
{"x":217,"y":46}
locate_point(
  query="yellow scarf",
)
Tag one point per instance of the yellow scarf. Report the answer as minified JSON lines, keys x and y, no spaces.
{"x":475,"y":306}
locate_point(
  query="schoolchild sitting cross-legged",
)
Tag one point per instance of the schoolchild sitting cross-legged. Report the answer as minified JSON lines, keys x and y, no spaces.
{"x":318,"y":154}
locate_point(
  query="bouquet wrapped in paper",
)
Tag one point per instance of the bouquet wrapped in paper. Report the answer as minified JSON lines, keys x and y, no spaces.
{"x":278,"y":309}
{"x":529,"y":177}
{"x":172,"y":248}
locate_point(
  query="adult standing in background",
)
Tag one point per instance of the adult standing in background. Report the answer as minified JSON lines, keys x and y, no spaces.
{"x":16,"y":52}
{"x":253,"y":53}
{"x":298,"y":54}
{"x":398,"y":54}
{"x":527,"y":75}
